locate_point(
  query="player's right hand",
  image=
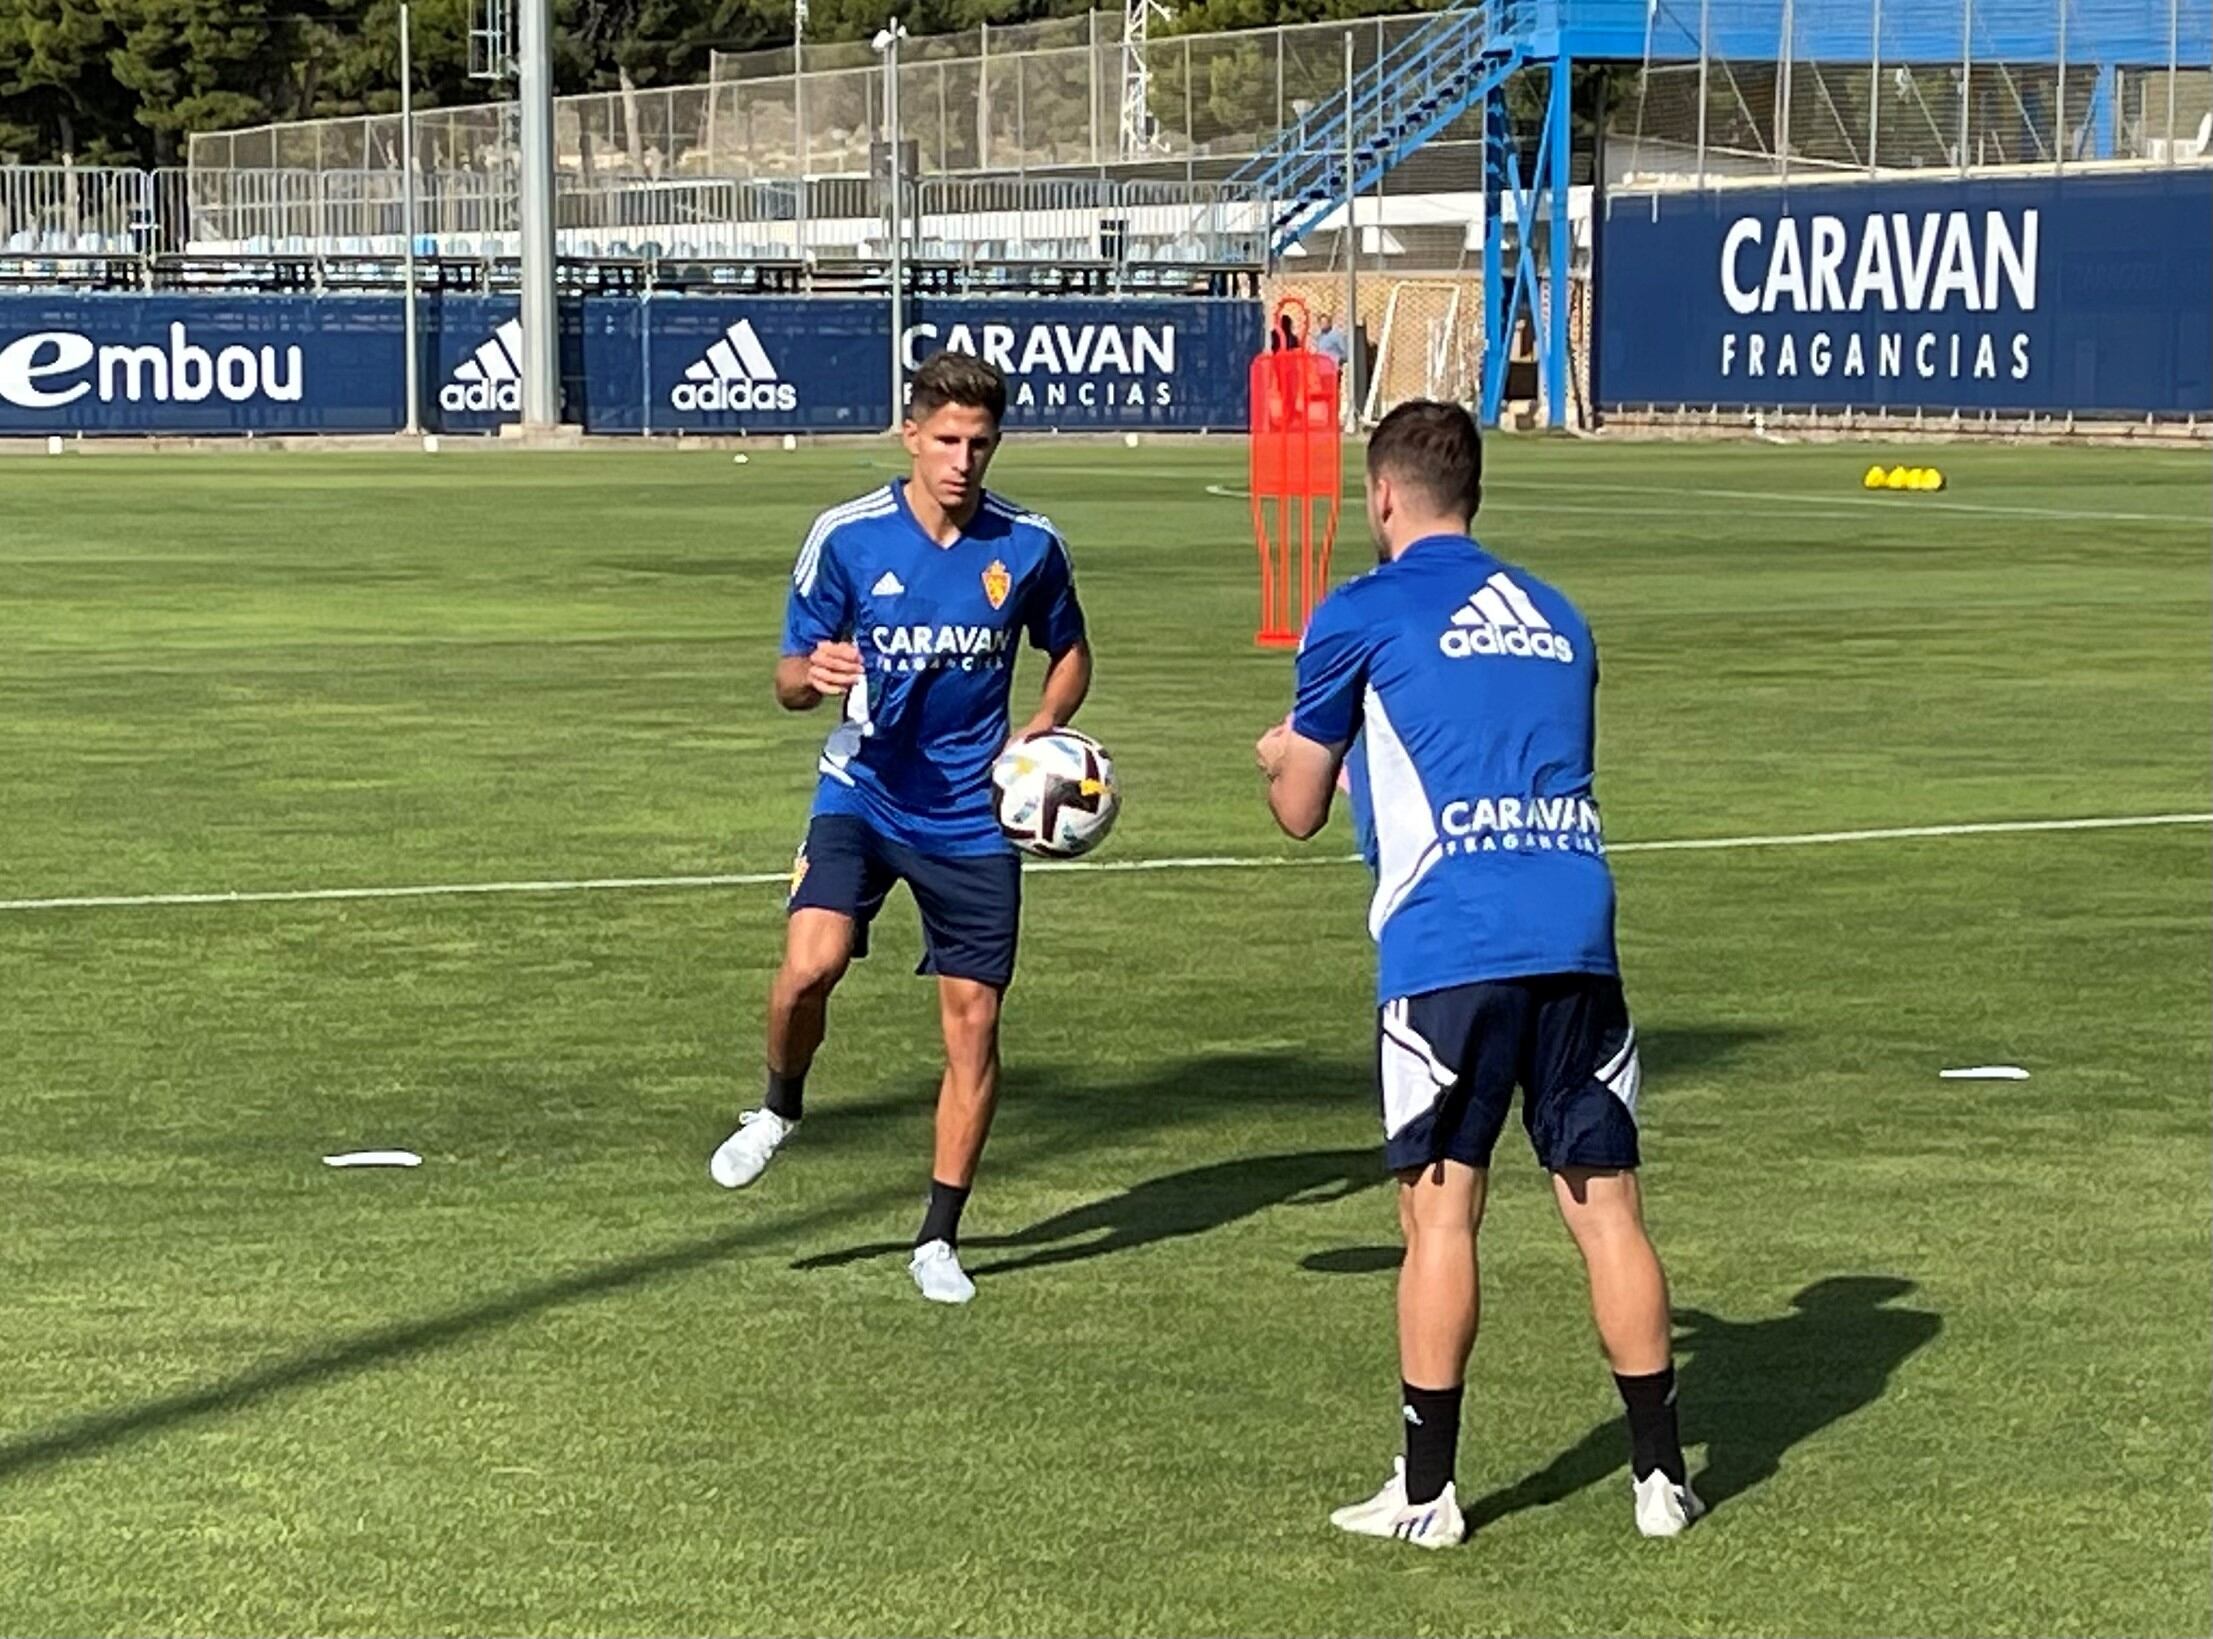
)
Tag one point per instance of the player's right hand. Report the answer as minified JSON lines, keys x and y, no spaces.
{"x":834,"y":667}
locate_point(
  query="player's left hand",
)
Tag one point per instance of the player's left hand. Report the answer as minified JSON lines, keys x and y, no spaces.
{"x":1271,"y":747}
{"x":1028,"y":731}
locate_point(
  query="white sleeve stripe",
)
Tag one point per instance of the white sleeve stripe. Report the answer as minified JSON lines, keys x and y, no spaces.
{"x":1004,"y":508}
{"x":874,"y":504}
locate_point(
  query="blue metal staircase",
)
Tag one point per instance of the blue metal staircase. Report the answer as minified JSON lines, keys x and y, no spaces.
{"x":1421,"y":85}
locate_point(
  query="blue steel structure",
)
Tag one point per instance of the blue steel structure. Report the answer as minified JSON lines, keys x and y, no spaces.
{"x":1464,"y":58}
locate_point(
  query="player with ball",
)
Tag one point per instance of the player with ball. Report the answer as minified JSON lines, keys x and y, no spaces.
{"x":907,"y":606}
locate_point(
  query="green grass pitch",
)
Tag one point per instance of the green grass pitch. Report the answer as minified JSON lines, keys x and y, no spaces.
{"x":1944,"y":1344}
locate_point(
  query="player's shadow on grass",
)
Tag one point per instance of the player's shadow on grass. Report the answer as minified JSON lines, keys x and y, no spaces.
{"x":1171,"y":1207}
{"x":1194,"y":1202}
{"x":1752,"y":1389}
{"x":96,"y":1431}
{"x":1061,"y":1129}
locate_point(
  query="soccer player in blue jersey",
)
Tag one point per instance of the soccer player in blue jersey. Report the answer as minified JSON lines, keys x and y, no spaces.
{"x":907,"y":607}
{"x":1459,"y":693}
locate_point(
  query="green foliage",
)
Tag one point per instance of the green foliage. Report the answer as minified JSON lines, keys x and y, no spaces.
{"x":54,"y":88}
{"x":127,"y":81}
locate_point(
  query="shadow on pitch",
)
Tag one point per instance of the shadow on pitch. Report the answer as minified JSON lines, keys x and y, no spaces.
{"x":1180,"y":1205}
{"x":97,"y":1431}
{"x":1066,"y":1116}
{"x":1752,"y":1389}
{"x":1174,"y":1206}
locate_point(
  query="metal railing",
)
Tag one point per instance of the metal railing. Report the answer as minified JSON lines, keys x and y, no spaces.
{"x":82,"y":211}
{"x":1040,"y":96}
{"x":1745,"y":88}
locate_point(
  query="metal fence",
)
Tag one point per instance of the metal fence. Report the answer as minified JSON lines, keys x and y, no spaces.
{"x":1021,"y":98}
{"x":1757,"y":88}
{"x":58,"y":210}
{"x":1769,"y":88}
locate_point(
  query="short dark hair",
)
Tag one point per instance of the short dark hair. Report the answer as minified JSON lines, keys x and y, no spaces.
{"x":1432,"y":448}
{"x":956,"y":378}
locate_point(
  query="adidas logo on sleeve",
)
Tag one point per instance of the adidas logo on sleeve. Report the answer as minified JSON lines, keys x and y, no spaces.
{"x":735,"y":373}
{"x":1500,"y":619}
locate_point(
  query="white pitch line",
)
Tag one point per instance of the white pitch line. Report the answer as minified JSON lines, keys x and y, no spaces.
{"x":1798,"y":504}
{"x":1552,"y":509}
{"x":434,"y":890}
{"x":1920,"y":503}
{"x":1894,"y":833}
{"x":1195,"y":862}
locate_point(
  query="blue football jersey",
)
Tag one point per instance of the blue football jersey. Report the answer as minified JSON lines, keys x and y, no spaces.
{"x":937,"y":627}
{"x":1466,"y":689}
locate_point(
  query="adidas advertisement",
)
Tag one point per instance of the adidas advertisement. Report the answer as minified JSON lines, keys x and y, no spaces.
{"x":664,"y":364}
{"x":256,"y":364}
{"x":775,"y":364}
{"x":772,"y":364}
{"x":2012,"y":294}
{"x":735,"y":373}
{"x":490,"y":379}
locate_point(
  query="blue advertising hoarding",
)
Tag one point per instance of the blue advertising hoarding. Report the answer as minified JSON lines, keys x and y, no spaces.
{"x":1104,"y":363}
{"x":2050,"y":294}
{"x":656,"y":364}
{"x":145,"y":364}
{"x":764,"y":364}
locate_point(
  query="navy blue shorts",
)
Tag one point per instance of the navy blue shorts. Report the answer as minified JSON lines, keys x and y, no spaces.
{"x":1448,"y":1063}
{"x":971,"y":905}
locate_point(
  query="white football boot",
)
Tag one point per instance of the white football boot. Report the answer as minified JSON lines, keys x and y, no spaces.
{"x":744,"y":1155}
{"x":1665,"y":1509}
{"x":1435,"y":1524}
{"x":1387,"y":1501}
{"x":936,"y":1269}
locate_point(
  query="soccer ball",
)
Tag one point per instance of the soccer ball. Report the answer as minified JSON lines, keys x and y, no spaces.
{"x":1055,"y":794}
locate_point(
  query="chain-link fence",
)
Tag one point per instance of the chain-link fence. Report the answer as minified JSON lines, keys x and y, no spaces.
{"x":1026,"y":97}
{"x":1769,"y":88}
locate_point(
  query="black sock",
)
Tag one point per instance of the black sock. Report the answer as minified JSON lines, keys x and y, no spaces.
{"x":785,"y":1095}
{"x":943,"y":1220}
{"x":1432,"y":1438}
{"x":1653,"y":1440}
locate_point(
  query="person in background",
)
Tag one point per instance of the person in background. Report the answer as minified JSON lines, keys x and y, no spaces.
{"x":1333,"y":343}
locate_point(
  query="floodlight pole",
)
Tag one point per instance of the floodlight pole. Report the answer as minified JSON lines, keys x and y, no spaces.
{"x":1875,"y":87}
{"x":414,"y":422}
{"x":888,"y":43}
{"x":2059,"y":133}
{"x":799,"y":127}
{"x":1966,"y":79}
{"x":1351,"y":331}
{"x":1704,"y":59}
{"x":541,"y":395}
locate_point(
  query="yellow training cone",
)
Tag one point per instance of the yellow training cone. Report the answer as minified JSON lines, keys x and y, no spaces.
{"x":1896,"y":480}
{"x":1874,"y":478}
{"x":1936,"y":479}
